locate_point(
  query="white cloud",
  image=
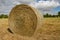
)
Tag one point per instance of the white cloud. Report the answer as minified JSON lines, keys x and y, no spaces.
{"x":45,"y":4}
{"x":7,"y":5}
{"x":16,"y":3}
{"x":25,"y":1}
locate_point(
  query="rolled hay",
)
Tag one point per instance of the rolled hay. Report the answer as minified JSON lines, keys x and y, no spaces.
{"x":24,"y":20}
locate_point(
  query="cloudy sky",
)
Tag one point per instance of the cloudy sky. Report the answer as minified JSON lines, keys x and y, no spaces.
{"x":45,"y":6}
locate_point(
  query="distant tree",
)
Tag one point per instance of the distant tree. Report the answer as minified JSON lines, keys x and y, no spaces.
{"x":59,"y":13}
{"x":3,"y":16}
{"x":54,"y":15}
{"x":47,"y":15}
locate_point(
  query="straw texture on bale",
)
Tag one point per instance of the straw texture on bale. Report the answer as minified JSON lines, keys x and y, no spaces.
{"x":24,"y":20}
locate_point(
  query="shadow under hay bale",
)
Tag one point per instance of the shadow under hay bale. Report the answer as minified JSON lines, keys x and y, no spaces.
{"x":9,"y":31}
{"x":24,"y":20}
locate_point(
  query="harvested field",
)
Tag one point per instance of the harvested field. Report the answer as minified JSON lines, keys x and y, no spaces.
{"x":50,"y":30}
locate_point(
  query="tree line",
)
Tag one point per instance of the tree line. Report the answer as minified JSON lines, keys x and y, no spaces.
{"x":46,"y":15}
{"x":49,"y":15}
{"x":3,"y":16}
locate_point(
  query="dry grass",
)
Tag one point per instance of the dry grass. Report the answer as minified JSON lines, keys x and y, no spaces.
{"x":49,"y":31}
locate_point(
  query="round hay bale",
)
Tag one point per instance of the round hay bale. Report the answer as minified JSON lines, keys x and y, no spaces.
{"x":24,"y":20}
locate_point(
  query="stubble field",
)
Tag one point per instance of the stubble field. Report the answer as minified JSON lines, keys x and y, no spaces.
{"x":50,"y":30}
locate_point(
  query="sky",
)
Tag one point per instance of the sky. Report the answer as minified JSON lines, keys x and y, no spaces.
{"x":44,"y":6}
